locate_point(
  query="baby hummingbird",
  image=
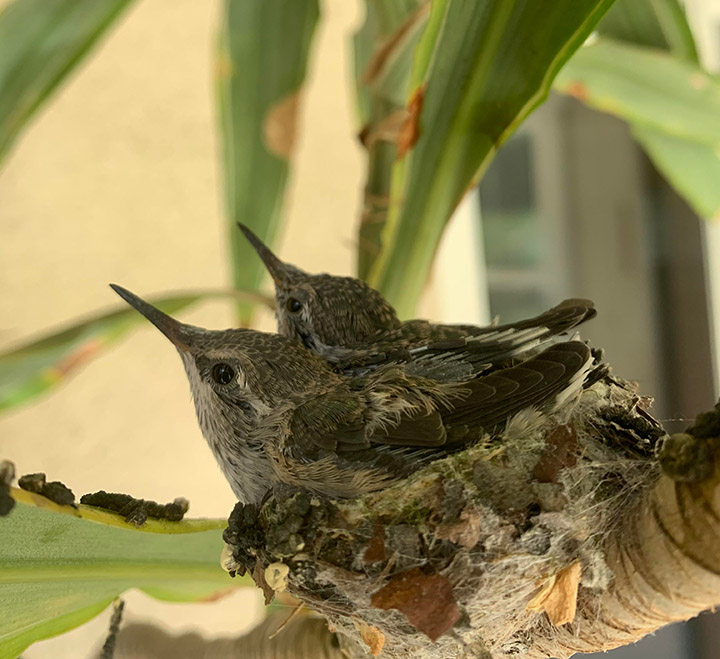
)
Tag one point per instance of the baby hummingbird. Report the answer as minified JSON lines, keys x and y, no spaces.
{"x":351,"y":325}
{"x":275,"y":413}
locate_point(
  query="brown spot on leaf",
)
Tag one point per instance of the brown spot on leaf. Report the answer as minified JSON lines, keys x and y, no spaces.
{"x":560,"y":452}
{"x":386,"y":49}
{"x":465,"y":532}
{"x":558,"y":597}
{"x":279,"y":127}
{"x":223,"y":65}
{"x":410,"y":130}
{"x":371,"y":636}
{"x":386,"y":130}
{"x":578,"y":90}
{"x":375,"y":551}
{"x":76,"y":358}
{"x":218,"y":595}
{"x":699,"y":80}
{"x":426,"y":600}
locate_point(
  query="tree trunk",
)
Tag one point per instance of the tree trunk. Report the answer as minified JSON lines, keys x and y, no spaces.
{"x":573,"y":532}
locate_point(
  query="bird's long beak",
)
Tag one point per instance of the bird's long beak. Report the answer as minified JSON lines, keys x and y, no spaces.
{"x":279,"y":271}
{"x":176,"y":331}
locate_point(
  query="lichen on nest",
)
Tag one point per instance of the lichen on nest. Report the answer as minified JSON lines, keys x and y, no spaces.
{"x":479,"y":551}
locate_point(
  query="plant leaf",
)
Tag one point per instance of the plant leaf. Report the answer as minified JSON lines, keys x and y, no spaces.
{"x":383,"y":49}
{"x":657,"y":24}
{"x":61,"y":566}
{"x":262,"y":57}
{"x":646,"y":86}
{"x":35,"y":367}
{"x":41,"y":42}
{"x":692,"y":168}
{"x":672,"y":107}
{"x":480,"y":68}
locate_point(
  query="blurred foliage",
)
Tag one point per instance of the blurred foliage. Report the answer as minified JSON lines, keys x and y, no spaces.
{"x":649,"y":75}
{"x":38,"y":366}
{"x":60,"y":566}
{"x":41,"y":42}
{"x":671,"y":104}
{"x":383,"y":51}
{"x":477,"y":71}
{"x":653,"y":23}
{"x":261,"y":61}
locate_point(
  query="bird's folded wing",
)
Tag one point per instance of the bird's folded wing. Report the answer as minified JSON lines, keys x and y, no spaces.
{"x":458,"y":352}
{"x":341,"y":424}
{"x":537,"y":382}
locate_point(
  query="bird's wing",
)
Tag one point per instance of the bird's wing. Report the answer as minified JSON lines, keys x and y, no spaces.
{"x":343,"y":424}
{"x":493,"y":342}
{"x":545,"y":380}
{"x":333,"y":421}
{"x":416,"y":413}
{"x":458,"y":352}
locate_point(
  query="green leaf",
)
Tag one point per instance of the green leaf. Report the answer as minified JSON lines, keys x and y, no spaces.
{"x":262,"y":57}
{"x":480,"y":68}
{"x":657,"y":24}
{"x":692,"y":168}
{"x":384,"y":48}
{"x":41,"y":42}
{"x":61,"y":566}
{"x":672,"y":107}
{"x":646,"y":86}
{"x":376,"y":44}
{"x":40,"y":365}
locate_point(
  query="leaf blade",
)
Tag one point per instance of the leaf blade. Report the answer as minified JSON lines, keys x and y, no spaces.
{"x":262,"y":56}
{"x":692,"y":168}
{"x":646,"y":86}
{"x":671,"y":105}
{"x":41,"y":42}
{"x":478,"y":89}
{"x":59,"y":567}
{"x":657,"y":24}
{"x":37,"y":366}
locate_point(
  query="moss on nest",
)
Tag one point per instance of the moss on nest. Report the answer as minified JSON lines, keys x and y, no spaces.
{"x":459,"y":550}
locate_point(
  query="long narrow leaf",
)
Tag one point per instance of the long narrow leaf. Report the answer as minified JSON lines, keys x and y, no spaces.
{"x":262,"y":58}
{"x":480,"y":69}
{"x":41,"y":42}
{"x":34,"y":368}
{"x":693,"y":169}
{"x":383,"y":49}
{"x":61,"y":566}
{"x":657,"y":24}
{"x":646,"y":86}
{"x":672,"y":106}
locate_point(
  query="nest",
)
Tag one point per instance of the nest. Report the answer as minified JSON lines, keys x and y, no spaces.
{"x":476,"y":555}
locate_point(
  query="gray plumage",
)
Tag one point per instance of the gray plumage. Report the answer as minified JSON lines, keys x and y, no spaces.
{"x":353,"y":327}
{"x":273,"y":412}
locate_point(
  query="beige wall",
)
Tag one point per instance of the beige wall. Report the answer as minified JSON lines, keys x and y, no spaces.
{"x":117,"y":181}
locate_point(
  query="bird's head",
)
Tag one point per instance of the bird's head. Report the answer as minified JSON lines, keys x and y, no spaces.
{"x":238,"y":375}
{"x":324,"y":311}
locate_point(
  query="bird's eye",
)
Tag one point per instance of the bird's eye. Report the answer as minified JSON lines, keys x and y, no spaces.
{"x":293,"y":305}
{"x":223,"y":373}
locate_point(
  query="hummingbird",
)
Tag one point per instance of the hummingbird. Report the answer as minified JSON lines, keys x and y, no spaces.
{"x":354,"y":327}
{"x":276,"y":414}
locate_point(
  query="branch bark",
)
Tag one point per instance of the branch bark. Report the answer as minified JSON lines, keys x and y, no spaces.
{"x":571,"y":533}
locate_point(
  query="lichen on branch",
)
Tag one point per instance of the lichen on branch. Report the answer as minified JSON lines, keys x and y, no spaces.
{"x":565,"y":534}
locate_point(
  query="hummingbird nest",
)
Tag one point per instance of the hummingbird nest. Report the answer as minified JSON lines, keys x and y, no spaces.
{"x":482,"y":554}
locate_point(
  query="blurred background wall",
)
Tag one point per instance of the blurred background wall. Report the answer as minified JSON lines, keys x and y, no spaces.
{"x":118,"y":181}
